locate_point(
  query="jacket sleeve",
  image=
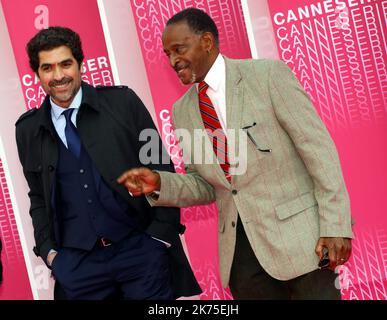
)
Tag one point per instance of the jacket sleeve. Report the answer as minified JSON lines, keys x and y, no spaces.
{"x":38,"y":212}
{"x":298,"y":117}
{"x":183,"y":190}
{"x":165,"y":224}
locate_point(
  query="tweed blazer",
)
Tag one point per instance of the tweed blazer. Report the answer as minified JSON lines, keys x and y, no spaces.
{"x":287,"y":198}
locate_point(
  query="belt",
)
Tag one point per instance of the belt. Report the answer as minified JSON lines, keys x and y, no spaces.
{"x":104,"y":242}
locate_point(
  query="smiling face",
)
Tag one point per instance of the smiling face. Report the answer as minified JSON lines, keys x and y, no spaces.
{"x":59,"y":74}
{"x":190,"y":54}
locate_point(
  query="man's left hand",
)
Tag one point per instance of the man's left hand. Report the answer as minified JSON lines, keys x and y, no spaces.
{"x":339,"y":250}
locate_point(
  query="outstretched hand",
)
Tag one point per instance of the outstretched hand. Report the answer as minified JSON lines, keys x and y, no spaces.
{"x":139,"y":181}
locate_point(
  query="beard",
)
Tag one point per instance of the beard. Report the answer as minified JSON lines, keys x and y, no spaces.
{"x":189,"y":75}
{"x":62,"y":97}
{"x":193,"y":78}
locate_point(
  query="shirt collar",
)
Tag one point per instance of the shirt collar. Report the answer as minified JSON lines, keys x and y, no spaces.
{"x":76,"y":103}
{"x":215,"y":74}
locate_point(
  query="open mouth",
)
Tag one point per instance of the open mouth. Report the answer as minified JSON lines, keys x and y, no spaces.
{"x":181,"y":70}
{"x":61,"y":86}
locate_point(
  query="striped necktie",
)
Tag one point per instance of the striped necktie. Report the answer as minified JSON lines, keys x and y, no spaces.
{"x":214,"y":129}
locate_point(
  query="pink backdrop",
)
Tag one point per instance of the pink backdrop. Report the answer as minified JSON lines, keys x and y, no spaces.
{"x":337,"y":49}
{"x":12,"y":258}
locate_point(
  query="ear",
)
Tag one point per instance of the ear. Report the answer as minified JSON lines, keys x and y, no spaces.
{"x":208,"y":41}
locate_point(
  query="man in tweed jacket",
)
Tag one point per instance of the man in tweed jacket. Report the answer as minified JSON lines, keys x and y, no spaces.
{"x":291,"y":205}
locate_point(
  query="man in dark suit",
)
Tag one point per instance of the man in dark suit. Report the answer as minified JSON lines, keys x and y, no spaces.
{"x":99,"y":241}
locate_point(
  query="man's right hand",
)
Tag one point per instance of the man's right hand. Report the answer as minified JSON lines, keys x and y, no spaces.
{"x":50,"y":258}
{"x":139,"y":181}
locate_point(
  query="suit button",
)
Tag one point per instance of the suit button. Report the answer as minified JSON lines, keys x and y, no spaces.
{"x":85,"y":186}
{"x":39,"y":168}
{"x":234,"y":192}
{"x":50,"y":168}
{"x":233,"y":224}
{"x":89,"y":201}
{"x":81,"y":171}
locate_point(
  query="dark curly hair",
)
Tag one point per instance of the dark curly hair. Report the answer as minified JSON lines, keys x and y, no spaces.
{"x":51,"y":38}
{"x":197,"y":20}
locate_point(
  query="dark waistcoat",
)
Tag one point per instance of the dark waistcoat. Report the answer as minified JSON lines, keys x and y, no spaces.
{"x":86,"y":208}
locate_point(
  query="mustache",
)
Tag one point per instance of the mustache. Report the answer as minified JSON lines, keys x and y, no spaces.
{"x":63,"y":81}
{"x":178,"y":67}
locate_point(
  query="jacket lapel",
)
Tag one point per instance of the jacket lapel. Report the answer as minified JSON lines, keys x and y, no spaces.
{"x":234,"y":107}
{"x":234,"y":103}
{"x":197,"y":123}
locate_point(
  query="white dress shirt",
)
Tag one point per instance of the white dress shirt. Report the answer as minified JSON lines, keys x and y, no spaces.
{"x":216,"y":80}
{"x":59,"y":120}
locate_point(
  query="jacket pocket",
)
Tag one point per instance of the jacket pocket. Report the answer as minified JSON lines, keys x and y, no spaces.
{"x":257,"y":139}
{"x":33,"y":173}
{"x":292,"y":207}
{"x":33,"y":167}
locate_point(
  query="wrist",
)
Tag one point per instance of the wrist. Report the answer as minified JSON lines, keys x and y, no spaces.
{"x":50,"y":257}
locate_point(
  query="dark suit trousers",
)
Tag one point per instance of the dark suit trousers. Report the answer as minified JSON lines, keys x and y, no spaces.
{"x":135,"y":268}
{"x":249,"y":280}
